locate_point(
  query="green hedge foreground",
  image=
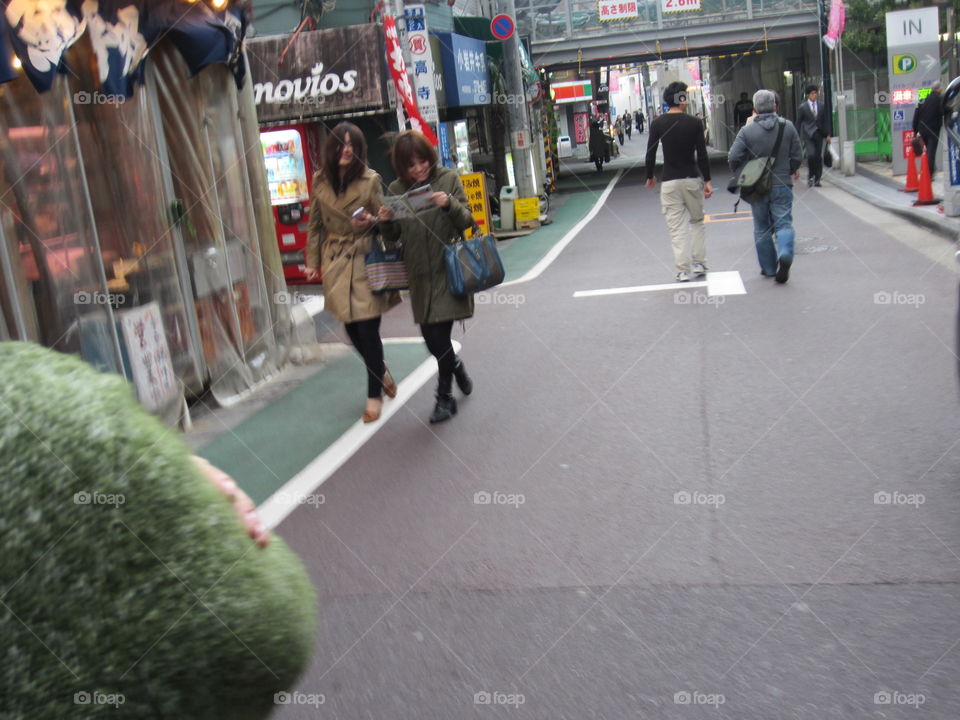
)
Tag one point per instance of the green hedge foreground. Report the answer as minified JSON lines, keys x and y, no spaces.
{"x":128,"y":585}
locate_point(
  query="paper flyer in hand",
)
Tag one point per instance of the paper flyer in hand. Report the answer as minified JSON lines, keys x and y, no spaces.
{"x":410,"y":203}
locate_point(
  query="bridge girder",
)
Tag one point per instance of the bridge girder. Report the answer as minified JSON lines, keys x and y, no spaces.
{"x":662,"y":44}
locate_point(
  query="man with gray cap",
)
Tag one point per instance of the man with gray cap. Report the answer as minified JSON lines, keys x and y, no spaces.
{"x":927,"y":122}
{"x":773,"y":213}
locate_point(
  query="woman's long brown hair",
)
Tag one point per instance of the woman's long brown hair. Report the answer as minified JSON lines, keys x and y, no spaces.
{"x":331,"y":156}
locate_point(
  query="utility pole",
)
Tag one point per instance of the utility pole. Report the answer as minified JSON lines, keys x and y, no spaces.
{"x":952,"y":41}
{"x":825,"y":62}
{"x":517,"y":122}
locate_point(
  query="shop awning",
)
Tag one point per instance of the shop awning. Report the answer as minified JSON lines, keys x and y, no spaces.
{"x":122,"y":32}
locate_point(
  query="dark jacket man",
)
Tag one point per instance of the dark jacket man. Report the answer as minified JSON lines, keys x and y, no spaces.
{"x":814,"y":126}
{"x":927,"y":122}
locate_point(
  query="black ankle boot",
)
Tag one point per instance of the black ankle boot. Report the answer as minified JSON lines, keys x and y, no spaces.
{"x":463,"y":380}
{"x":445,"y":408}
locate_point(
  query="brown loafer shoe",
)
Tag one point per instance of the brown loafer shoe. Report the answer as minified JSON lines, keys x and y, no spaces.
{"x":389,"y":386}
{"x":370,"y":416}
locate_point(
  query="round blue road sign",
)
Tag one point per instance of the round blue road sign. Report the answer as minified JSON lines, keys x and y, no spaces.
{"x":502,"y":26}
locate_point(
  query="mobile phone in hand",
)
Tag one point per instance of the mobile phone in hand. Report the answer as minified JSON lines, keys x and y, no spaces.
{"x":358,"y":213}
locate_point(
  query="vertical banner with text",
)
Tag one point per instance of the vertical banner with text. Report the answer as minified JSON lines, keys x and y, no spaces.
{"x":475,"y":185}
{"x":418,"y":43}
{"x":398,"y":71}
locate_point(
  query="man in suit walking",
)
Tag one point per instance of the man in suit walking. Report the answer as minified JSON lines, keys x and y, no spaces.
{"x":814,"y":128}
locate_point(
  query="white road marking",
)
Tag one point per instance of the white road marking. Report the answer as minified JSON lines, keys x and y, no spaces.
{"x":555,"y":251}
{"x":717,"y":283}
{"x":727,"y":282}
{"x":291,"y":495}
{"x":314,"y":305}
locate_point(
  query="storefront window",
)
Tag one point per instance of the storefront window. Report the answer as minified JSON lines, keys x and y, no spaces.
{"x":118,"y":139}
{"x":54,"y":291}
{"x":208,"y":167}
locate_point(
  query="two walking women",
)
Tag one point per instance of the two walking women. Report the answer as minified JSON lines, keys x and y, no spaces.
{"x":346,"y":206}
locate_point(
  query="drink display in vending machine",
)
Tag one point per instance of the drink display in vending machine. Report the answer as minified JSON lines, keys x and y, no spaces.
{"x":288,"y":173}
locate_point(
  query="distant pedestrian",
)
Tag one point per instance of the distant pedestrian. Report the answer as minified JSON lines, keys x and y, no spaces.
{"x":346,"y":196}
{"x":928,"y":121}
{"x":599,"y":150}
{"x":640,"y":121}
{"x":619,"y":128}
{"x":814,"y":127}
{"x":628,"y":125}
{"x":742,"y":110}
{"x":773,"y":232}
{"x":424,"y":237}
{"x":686,"y":181}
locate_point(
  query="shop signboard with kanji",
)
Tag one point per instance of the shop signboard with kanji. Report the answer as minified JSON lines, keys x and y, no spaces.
{"x":609,"y":10}
{"x":147,"y":355}
{"x":581,"y":128}
{"x":421,"y":60}
{"x":465,"y":73}
{"x":475,"y":186}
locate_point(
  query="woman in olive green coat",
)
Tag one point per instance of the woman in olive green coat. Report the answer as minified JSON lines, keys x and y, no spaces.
{"x":338,"y":240}
{"x":424,"y":238}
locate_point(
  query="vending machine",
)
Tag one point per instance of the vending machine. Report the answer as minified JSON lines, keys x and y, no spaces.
{"x":289,"y":175}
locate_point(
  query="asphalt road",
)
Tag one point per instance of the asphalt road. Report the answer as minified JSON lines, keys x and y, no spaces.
{"x":738,"y":507}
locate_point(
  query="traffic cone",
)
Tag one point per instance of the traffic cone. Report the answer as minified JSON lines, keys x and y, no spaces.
{"x":912,"y":184}
{"x":925,"y":196}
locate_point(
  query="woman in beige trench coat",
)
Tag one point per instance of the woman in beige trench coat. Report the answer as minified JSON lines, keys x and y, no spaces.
{"x":346,"y":199}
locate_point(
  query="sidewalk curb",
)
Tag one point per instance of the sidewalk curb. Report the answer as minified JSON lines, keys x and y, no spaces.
{"x":942,"y":226}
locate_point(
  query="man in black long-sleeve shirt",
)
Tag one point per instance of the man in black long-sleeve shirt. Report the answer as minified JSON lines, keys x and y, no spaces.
{"x":686,"y":182}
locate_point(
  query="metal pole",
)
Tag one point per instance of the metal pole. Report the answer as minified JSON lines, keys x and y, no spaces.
{"x":517,"y":111}
{"x":847,"y":156}
{"x":952,"y":40}
{"x":825,"y":65}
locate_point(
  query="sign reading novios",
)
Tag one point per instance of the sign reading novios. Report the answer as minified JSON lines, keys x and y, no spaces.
{"x":324,"y":72}
{"x":310,"y":90}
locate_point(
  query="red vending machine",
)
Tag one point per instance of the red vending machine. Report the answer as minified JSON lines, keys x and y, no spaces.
{"x":289,"y":175}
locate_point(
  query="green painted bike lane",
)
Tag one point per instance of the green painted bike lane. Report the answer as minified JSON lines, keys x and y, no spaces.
{"x":271,"y":446}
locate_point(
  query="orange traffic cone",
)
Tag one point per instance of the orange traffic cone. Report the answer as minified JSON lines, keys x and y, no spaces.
{"x":912,"y":184}
{"x":925,"y":196}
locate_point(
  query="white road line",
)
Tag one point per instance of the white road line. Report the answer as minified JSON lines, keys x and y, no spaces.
{"x":638,"y":289}
{"x":291,"y":495}
{"x":314,"y":305}
{"x":727,"y":282}
{"x":555,"y":251}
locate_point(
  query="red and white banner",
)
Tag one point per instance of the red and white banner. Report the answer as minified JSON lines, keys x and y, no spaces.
{"x":398,"y":71}
{"x":838,"y":17}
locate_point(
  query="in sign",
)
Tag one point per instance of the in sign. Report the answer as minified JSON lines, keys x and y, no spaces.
{"x":502,"y":26}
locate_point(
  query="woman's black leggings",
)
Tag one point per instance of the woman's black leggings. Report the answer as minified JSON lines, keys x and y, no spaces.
{"x":437,"y":337}
{"x":365,"y":336}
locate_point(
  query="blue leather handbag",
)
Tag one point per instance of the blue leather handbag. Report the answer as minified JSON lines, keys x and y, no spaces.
{"x":473,"y":265}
